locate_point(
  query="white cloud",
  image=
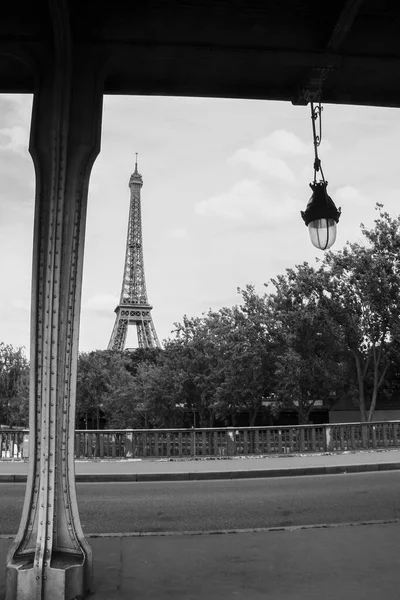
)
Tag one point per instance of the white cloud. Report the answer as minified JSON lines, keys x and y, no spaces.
{"x":14,"y":139}
{"x":283,"y":142}
{"x":348,"y":192}
{"x":351,"y":198}
{"x":260,"y":161}
{"x":244,"y":198}
{"x":267,"y":154}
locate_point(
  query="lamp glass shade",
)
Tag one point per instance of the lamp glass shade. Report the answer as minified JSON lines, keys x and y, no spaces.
{"x":322,"y":233}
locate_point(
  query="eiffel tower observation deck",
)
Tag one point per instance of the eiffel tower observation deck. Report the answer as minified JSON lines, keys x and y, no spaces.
{"x":134,"y":308}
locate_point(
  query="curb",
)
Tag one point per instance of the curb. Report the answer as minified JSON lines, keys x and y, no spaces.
{"x":210,"y":532}
{"x":211,"y":475}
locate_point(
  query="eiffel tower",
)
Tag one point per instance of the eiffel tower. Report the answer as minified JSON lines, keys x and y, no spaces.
{"x":133,"y":307}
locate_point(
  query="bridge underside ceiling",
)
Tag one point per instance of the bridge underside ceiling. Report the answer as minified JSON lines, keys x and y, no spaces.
{"x":286,"y":50}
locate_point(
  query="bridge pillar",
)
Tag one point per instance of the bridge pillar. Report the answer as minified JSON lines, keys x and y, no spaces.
{"x":50,"y":558}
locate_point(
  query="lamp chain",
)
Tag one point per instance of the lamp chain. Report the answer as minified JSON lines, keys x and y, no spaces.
{"x":317,"y":138}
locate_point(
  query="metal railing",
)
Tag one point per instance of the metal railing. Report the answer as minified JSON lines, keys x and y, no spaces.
{"x":217,"y":442}
{"x":12,"y":445}
{"x":241,"y":441}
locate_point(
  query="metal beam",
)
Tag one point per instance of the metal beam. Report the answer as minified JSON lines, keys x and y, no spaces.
{"x":311,"y":89}
{"x":343,"y":24}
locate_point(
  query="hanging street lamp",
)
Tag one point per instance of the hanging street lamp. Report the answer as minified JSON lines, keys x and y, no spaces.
{"x":321,"y":215}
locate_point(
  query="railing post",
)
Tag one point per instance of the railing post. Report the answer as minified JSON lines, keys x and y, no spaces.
{"x":313,"y":440}
{"x":301,"y":435}
{"x":269,"y":448}
{"x":245,"y":443}
{"x":128,"y":444}
{"x":156,"y":450}
{"x":25,"y":446}
{"x":215,"y":442}
{"x":257,"y":441}
{"x":204,"y":443}
{"x":280,"y":441}
{"x":76,"y":445}
{"x":373,"y":430}
{"x":291,"y":439}
{"x":341,"y":433}
{"x":328,"y":438}
{"x":144,"y":443}
{"x":113,"y":445}
{"x":193,"y":442}
{"x":352,"y":438}
{"x":101,"y":444}
{"x":229,"y":441}
{"x":364,"y":435}
{"x":385,"y":437}
{"x":96,"y":444}
{"x":89,"y":446}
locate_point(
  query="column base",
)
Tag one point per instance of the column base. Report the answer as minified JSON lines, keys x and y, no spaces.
{"x":67,"y":578}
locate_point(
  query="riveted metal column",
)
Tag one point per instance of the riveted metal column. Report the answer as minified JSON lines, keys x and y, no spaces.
{"x":50,"y":558}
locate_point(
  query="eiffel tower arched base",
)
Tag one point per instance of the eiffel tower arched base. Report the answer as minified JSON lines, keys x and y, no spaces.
{"x":136,"y":315}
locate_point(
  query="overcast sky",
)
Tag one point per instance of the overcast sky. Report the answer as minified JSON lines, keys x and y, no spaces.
{"x":224,"y":183}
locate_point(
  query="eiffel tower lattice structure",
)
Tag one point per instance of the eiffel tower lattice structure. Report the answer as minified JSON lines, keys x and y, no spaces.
{"x":133,"y":307}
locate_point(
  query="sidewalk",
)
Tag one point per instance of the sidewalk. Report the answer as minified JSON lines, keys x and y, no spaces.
{"x":350,"y":562}
{"x":221,"y":468}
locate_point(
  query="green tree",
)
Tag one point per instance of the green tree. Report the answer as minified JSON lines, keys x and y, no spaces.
{"x":247,"y":357}
{"x":128,"y":389}
{"x":193,"y":356}
{"x":120,"y":400}
{"x":225,"y":360}
{"x":159,"y":385}
{"x":310,"y":365}
{"x":363,"y":290}
{"x":100,"y":374}
{"x":134,"y":359}
{"x":14,"y":386}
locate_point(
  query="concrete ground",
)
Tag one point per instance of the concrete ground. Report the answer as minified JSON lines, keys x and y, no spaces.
{"x":360,"y":562}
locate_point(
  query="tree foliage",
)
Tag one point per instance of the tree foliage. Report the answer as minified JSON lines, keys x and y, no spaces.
{"x":309,"y":361}
{"x":14,"y":386}
{"x":363,"y":299}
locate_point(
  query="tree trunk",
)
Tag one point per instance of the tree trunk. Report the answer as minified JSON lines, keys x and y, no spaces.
{"x":373,"y":400}
{"x":303,"y":417}
{"x":360,"y":382}
{"x":202,"y":417}
{"x":252,"y":416}
{"x":377,"y":382}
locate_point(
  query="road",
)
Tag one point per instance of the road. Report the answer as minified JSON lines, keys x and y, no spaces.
{"x":218,"y":505}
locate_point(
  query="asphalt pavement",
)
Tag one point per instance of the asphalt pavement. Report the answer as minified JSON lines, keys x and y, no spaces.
{"x":220,"y":505}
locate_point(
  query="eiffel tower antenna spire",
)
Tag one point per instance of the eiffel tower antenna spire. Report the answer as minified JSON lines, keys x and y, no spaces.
{"x":133,"y":307}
